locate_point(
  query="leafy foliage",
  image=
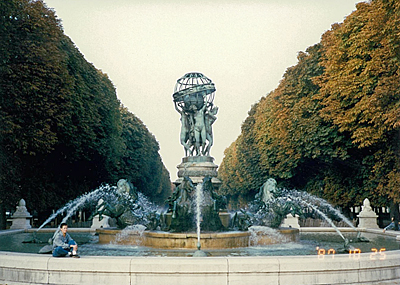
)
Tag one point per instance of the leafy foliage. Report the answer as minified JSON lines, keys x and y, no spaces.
{"x":140,"y":162}
{"x":62,"y":132}
{"x":332,"y":126}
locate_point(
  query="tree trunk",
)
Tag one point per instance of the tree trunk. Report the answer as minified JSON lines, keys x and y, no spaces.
{"x":3,"y":218}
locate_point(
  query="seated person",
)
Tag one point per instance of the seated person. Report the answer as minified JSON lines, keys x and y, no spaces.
{"x":63,"y":244}
{"x":391,"y":226}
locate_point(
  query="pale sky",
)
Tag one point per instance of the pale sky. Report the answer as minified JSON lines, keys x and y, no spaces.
{"x":244,"y":47}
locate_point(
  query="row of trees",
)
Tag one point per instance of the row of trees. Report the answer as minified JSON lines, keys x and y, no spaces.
{"x":332,"y":126}
{"x":63,"y":131}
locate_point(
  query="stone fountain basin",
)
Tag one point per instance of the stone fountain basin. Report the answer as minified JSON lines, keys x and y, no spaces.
{"x":166,"y":240}
{"x":364,"y":268}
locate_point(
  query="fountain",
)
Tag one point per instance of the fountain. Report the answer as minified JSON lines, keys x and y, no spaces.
{"x":194,"y":220}
{"x":247,"y":265}
{"x":193,"y":215}
{"x":194,"y":206}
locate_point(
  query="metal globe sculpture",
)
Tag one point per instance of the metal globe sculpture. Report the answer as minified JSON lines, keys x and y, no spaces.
{"x":193,"y":99}
{"x":193,"y":89}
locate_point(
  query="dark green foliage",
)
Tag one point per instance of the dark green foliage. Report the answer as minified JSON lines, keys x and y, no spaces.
{"x":61,"y":132}
{"x":140,"y":162}
{"x":33,"y":94}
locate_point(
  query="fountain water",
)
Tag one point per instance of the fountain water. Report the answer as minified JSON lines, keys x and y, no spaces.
{"x":123,"y":235}
{"x":326,"y":218}
{"x":72,"y":206}
{"x":321,"y":202}
{"x":261,"y":235}
{"x":199,"y":200}
{"x":118,"y":202}
{"x":275,"y":203}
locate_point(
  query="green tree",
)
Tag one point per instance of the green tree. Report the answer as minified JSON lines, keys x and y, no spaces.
{"x":33,"y":86}
{"x":61,"y":132}
{"x":140,"y":161}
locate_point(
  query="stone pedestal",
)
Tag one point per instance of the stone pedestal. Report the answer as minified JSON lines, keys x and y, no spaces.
{"x":104,"y":223}
{"x":168,"y":219}
{"x":196,"y":168}
{"x":225,"y":218}
{"x":367,"y":217}
{"x":291,"y":222}
{"x":21,"y":217}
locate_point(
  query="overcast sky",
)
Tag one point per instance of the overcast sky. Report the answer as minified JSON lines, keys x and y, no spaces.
{"x":244,"y":47}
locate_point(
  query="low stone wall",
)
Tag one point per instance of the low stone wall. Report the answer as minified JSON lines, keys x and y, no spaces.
{"x":365,"y":268}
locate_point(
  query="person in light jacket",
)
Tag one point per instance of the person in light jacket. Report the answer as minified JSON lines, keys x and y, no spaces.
{"x":63,"y":244}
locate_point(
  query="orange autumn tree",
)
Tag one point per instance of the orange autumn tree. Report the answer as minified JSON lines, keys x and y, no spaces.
{"x":239,"y":172}
{"x":298,"y":147}
{"x":332,"y":125}
{"x":361,"y":88}
{"x":228,"y":172}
